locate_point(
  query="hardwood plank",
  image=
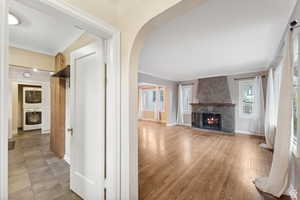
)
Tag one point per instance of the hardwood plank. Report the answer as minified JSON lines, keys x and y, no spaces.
{"x":183,"y":163}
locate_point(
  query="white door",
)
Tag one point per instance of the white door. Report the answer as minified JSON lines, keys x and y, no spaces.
{"x":88,"y":121}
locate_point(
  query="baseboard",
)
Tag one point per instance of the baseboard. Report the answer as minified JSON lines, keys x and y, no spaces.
{"x":67,"y":159}
{"x":171,"y":124}
{"x":152,"y":120}
{"x":189,"y":125}
{"x":248,"y":133}
{"x":45,"y":131}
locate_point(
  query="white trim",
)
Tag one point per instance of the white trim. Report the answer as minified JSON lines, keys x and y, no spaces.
{"x":153,"y":120}
{"x":157,"y":76}
{"x":171,"y":124}
{"x":32,"y":49}
{"x":101,"y":29}
{"x":67,"y":159}
{"x":4,"y":113}
{"x":259,"y":70}
{"x":185,"y":124}
{"x":248,"y":133}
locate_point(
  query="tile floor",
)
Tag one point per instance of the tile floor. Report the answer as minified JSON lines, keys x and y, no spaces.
{"x":35,"y":173}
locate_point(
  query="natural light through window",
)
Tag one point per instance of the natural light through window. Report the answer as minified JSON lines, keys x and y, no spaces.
{"x":187,"y":98}
{"x":246,"y":98}
{"x":295,"y":121}
{"x":149,"y":100}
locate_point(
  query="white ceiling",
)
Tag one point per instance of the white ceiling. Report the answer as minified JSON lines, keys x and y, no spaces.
{"x":40,"y":32}
{"x":217,"y":38}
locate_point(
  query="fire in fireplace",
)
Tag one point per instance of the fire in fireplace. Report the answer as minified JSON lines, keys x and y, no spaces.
{"x":212,"y":121}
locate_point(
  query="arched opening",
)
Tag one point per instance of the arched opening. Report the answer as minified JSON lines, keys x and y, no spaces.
{"x":191,"y":135}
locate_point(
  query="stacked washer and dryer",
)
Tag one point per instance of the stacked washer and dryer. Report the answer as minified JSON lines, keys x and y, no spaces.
{"x":32,"y":108}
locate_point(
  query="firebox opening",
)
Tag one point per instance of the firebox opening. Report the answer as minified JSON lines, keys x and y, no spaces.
{"x":212,"y":121}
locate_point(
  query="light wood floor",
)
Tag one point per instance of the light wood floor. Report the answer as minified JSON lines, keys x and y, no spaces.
{"x":183,"y":163}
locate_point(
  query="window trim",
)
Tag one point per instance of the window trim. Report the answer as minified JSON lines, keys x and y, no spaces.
{"x":191,"y":100}
{"x":143,"y":109}
{"x":241,"y":114}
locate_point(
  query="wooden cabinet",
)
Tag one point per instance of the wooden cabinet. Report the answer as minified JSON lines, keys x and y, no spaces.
{"x":60,"y":62}
{"x":58,"y":110}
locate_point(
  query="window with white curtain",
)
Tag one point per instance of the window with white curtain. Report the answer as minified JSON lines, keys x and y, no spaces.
{"x":296,"y":106}
{"x":149,"y":100}
{"x":246,"y":98}
{"x":187,"y":98}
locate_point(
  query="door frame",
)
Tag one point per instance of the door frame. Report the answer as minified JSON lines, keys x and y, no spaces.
{"x":101,"y":29}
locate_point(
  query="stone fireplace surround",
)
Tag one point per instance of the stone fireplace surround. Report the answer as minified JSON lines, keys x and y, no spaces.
{"x":227,"y":112}
{"x":214,"y":97}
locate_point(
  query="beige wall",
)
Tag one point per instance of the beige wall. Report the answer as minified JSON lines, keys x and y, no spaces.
{"x":82,"y":41}
{"x":25,"y":58}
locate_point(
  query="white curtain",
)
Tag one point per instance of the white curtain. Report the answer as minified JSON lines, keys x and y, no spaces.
{"x":180,"y":106}
{"x":277,"y":181}
{"x":270,"y":117}
{"x":277,"y":84}
{"x":257,"y":123}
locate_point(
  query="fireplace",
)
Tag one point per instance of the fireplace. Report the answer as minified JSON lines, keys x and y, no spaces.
{"x":214,"y":116}
{"x":214,"y":109}
{"x":212,"y":121}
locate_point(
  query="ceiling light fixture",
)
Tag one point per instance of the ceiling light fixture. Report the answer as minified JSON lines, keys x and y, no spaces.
{"x":12,"y":19}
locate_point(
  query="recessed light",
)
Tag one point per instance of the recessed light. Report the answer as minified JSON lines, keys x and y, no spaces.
{"x":12,"y":19}
{"x":35,"y":70}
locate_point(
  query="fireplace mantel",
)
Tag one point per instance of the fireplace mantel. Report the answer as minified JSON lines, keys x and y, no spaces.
{"x":213,"y":104}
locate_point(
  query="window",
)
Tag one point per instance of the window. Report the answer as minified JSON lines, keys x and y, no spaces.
{"x":246,"y":98}
{"x":295,"y":120}
{"x":161,"y":100}
{"x":149,"y":100}
{"x":187,"y":98}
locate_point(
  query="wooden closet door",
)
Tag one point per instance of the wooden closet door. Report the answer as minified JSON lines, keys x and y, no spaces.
{"x":58,"y":109}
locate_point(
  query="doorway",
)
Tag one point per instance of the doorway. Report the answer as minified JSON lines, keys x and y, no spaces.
{"x":111,"y":38}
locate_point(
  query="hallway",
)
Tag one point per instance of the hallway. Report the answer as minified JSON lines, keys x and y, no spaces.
{"x":35,"y":173}
{"x":184,"y":163}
